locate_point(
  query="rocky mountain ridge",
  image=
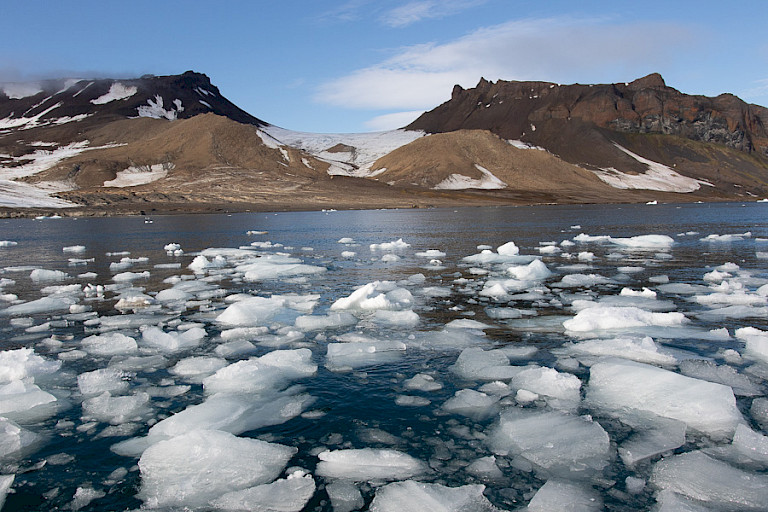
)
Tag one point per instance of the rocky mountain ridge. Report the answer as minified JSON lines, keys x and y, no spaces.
{"x":646,"y":105}
{"x":174,"y":143}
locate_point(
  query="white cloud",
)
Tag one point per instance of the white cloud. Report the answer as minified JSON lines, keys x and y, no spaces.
{"x":561,"y":50}
{"x":758,"y":93}
{"x":419,"y":10}
{"x":393,"y":121}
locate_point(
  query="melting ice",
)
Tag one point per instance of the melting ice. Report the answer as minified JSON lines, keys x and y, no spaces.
{"x":578,"y":373}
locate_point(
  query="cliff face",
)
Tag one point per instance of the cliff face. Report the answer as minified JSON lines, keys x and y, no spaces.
{"x":517,"y":110}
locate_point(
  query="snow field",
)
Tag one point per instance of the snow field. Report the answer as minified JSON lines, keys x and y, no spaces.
{"x":188,"y":374}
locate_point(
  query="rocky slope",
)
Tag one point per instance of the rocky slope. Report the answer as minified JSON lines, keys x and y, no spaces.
{"x":174,"y":143}
{"x":615,"y":130}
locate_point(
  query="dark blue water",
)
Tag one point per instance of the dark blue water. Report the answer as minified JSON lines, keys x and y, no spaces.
{"x":354,"y":407}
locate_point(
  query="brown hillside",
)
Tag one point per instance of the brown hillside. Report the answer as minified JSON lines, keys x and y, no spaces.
{"x":429,"y":160}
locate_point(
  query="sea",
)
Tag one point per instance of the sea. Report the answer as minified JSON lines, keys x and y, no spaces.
{"x":601,"y":357}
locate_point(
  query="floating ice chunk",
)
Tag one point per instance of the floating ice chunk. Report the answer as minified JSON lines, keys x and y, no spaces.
{"x":741,"y":384}
{"x":118,"y":409}
{"x":172,"y":294}
{"x":74,"y":249}
{"x":323,"y":322}
{"x":412,"y":401}
{"x":20,"y":399}
{"x":629,"y":390}
{"x":193,"y":469}
{"x":581,"y":281}
{"x":44,"y":275}
{"x":346,"y":240}
{"x":276,"y":267}
{"x":376,"y":295}
{"x":732,"y":237}
{"x":109,"y":344}
{"x":561,"y":390}
{"x":585,"y":238}
{"x":473,"y":404}
{"x":201,"y":263}
{"x":422,"y":382}
{"x":644,"y":241}
{"x":750,"y":445}
{"x":644,"y":293}
{"x":612,"y":317}
{"x":348,"y":254}
{"x":368,"y":464}
{"x":431,"y":253}
{"x":474,"y":363}
{"x":406,"y":318}
{"x":345,"y":496}
{"x":254,"y":311}
{"x":557,"y":444}
{"x":565,"y":496}
{"x":397,"y":245}
{"x":466,"y":323}
{"x":734,"y":312}
{"x":104,"y":379}
{"x":756,"y":341}
{"x":486,"y":469}
{"x":508,"y":249}
{"x":233,"y":413}
{"x":44,"y":305}
{"x":711,"y":482}
{"x":23,"y":363}
{"x":5,"y":486}
{"x":361,"y":352}
{"x":549,"y":249}
{"x":410,"y":496}
{"x":270,"y":371}
{"x":174,"y":341}
{"x":535,"y":271}
{"x":84,"y":496}
{"x":8,"y":243}
{"x":289,"y":494}
{"x":662,"y":435}
{"x":195,"y":369}
{"x":448,"y":339}
{"x":15,"y":440}
{"x":642,"y":350}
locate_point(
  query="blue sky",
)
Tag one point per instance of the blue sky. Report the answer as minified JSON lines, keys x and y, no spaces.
{"x":363,"y":65}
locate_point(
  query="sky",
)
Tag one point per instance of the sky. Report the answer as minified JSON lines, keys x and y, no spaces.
{"x":368,"y":65}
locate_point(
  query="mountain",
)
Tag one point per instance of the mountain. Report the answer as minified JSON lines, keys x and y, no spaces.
{"x":175,"y":143}
{"x":640,"y":135}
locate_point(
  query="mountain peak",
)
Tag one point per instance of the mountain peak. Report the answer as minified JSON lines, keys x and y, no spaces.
{"x":647,"y":82}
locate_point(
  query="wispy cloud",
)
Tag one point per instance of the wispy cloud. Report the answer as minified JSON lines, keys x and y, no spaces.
{"x":419,"y":10}
{"x":758,"y":93}
{"x":392,"y":121}
{"x":554,"y":49}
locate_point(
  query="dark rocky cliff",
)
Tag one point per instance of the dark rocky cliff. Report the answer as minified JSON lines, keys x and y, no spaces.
{"x":516,"y":110}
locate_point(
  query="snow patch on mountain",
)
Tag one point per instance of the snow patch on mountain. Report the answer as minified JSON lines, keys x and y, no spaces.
{"x":461,"y":182}
{"x":357,"y":162}
{"x":140,"y":175}
{"x":156,"y":109}
{"x":658,"y":177}
{"x":23,"y":195}
{"x":14,"y":194}
{"x":117,"y":91}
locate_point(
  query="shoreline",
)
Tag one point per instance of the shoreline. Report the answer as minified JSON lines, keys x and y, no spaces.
{"x":220,"y":208}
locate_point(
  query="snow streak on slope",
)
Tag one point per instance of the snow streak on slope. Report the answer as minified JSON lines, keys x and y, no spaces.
{"x":117,"y":91}
{"x":658,"y":177}
{"x":356,"y":152}
{"x":460,"y":182}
